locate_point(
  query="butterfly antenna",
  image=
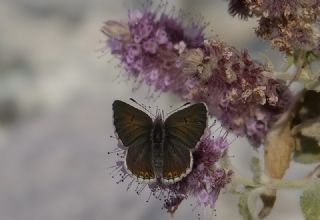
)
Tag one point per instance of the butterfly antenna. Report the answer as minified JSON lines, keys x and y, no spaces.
{"x":185,"y":104}
{"x":158,"y":111}
{"x":142,"y":106}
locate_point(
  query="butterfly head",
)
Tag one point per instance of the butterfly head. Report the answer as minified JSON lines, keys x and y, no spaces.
{"x":159,"y":115}
{"x":157,"y":133}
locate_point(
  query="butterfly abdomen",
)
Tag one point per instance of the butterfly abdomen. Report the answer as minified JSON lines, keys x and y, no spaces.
{"x":157,"y":136}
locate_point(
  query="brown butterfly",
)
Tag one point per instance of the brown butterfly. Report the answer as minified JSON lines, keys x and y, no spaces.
{"x":159,"y":150}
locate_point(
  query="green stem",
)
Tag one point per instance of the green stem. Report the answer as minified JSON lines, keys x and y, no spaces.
{"x":289,"y":184}
{"x":238,"y":179}
{"x":267,"y":182}
{"x":300,"y":63}
{"x":272,"y":183}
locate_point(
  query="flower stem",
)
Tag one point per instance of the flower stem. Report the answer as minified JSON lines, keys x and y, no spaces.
{"x":264,"y":181}
{"x":301,"y":62}
{"x":289,"y":184}
{"x":271,"y":183}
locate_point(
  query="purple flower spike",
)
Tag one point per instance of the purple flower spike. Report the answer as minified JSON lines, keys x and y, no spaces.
{"x":150,"y":46}
{"x":153,"y":42}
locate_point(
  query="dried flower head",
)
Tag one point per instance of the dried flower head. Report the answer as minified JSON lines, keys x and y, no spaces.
{"x":236,"y":89}
{"x":289,"y":24}
{"x":240,"y":8}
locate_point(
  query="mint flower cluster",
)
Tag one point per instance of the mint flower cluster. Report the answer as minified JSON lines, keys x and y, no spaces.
{"x":149,"y":47}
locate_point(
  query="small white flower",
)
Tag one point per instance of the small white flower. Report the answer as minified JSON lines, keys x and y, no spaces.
{"x":180,"y":47}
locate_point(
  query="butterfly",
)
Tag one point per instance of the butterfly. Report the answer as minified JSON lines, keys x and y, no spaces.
{"x":156,"y":149}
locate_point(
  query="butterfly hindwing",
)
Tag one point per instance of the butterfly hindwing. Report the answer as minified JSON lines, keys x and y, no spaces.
{"x":139,"y":161}
{"x":177,"y":162}
{"x":133,"y":127}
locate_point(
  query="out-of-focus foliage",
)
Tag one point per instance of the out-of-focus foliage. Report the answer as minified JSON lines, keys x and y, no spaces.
{"x":310,"y":202}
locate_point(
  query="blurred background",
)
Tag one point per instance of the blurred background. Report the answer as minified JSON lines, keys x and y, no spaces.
{"x":57,"y":84}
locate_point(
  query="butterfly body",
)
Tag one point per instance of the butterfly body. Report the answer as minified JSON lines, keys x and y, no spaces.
{"x":159,"y":150}
{"x":158,"y":134}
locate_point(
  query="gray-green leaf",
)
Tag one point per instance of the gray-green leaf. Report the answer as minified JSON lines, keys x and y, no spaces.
{"x":248,"y":203}
{"x":243,"y":207}
{"x":255,"y":168}
{"x":310,"y":202}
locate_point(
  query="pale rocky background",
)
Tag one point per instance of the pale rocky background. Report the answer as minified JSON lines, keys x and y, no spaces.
{"x":56,"y":90}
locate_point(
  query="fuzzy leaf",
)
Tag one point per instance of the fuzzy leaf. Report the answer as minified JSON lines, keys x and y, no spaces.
{"x":311,"y":56}
{"x":248,"y":203}
{"x":255,"y":168}
{"x":243,"y":207}
{"x":278,"y":147}
{"x":311,"y":83}
{"x":310,"y":202}
{"x":309,"y":78}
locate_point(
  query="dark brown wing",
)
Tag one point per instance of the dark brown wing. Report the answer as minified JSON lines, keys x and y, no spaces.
{"x":133,"y":127}
{"x":177,"y":162}
{"x":139,"y":161}
{"x":184,"y":128}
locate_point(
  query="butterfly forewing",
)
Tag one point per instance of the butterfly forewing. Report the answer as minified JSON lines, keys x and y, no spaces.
{"x":133,"y":127}
{"x":184,"y":128}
